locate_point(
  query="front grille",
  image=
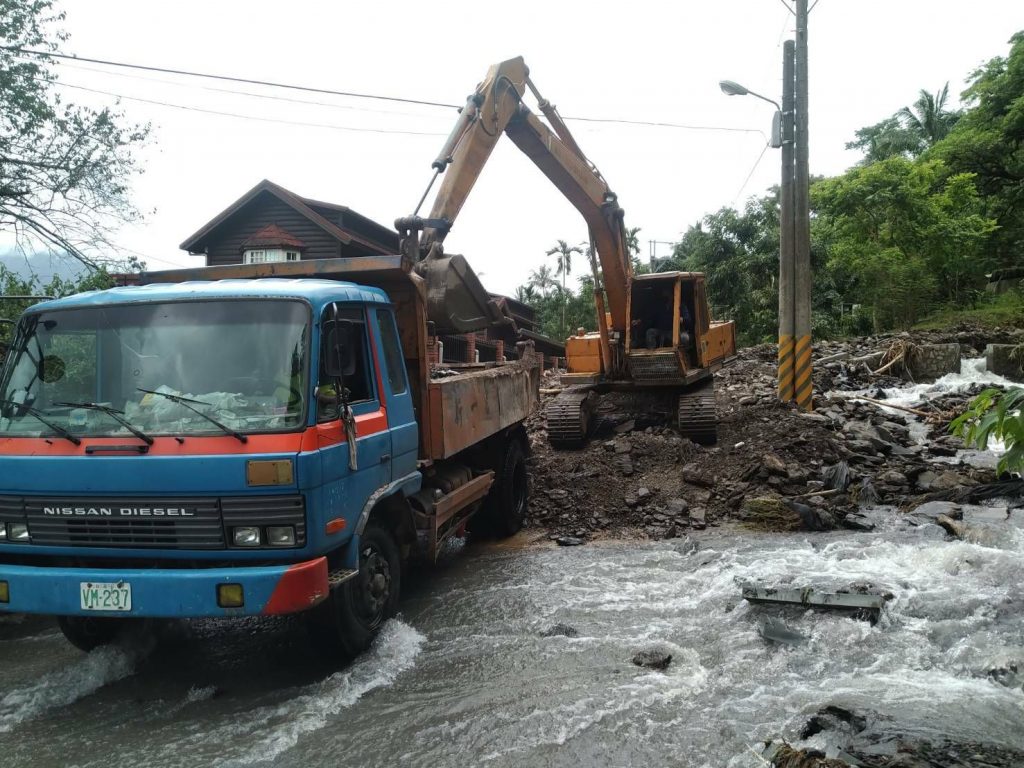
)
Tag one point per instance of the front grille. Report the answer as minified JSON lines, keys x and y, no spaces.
{"x":661,"y":365}
{"x":147,"y":523}
{"x":104,"y":523}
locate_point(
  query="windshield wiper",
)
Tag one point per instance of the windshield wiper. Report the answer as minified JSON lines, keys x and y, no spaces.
{"x":186,"y":401}
{"x":113,"y":413}
{"x":33,"y":412}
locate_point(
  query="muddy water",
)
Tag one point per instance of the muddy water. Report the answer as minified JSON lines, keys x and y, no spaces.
{"x":464,"y":678}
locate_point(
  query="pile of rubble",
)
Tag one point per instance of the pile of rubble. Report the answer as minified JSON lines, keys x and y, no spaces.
{"x":774,"y":467}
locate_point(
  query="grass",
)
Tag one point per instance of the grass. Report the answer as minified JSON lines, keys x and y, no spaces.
{"x":1004,"y":309}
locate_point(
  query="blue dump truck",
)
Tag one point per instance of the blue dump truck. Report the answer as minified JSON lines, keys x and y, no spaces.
{"x":251,"y":440}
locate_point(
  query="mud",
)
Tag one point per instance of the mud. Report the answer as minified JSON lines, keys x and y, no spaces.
{"x":774,"y":467}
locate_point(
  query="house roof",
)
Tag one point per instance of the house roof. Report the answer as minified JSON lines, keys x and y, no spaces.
{"x":384,"y":241}
{"x":272,"y":235}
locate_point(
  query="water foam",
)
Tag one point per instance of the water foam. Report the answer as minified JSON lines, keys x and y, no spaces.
{"x":67,"y":685}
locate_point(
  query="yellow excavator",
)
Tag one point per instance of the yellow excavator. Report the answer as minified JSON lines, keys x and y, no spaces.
{"x":656,"y":346}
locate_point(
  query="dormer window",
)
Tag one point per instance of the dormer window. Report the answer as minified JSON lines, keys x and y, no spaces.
{"x":271,"y":244}
{"x":268,"y":255}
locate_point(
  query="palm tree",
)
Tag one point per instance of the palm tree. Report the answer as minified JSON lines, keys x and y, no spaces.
{"x":526,"y":293}
{"x":563,"y":252}
{"x":928,"y":118}
{"x":542,"y":279}
{"x":633,"y":241}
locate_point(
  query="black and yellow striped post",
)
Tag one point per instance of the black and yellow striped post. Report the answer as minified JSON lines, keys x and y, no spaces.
{"x":802,"y":388}
{"x":786,"y":391}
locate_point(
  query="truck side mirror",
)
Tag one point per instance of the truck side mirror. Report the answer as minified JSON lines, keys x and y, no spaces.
{"x":337,"y":354}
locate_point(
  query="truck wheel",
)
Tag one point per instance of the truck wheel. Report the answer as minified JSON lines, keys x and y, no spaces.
{"x":346,"y":623}
{"x":89,"y":632}
{"x":509,"y":498}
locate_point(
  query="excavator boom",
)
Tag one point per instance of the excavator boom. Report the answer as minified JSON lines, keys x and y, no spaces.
{"x":496,"y":107}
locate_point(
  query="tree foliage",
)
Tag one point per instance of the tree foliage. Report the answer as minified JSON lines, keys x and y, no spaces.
{"x":64,"y":169}
{"x":995,"y":414}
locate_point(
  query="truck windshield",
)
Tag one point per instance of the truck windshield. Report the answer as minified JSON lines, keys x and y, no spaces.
{"x":244,"y":361}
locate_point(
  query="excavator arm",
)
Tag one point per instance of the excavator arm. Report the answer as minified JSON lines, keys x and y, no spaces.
{"x":496,"y":107}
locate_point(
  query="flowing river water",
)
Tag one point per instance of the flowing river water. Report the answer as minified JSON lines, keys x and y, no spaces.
{"x":465,"y":677}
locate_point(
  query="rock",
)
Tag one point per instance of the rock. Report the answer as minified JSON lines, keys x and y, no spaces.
{"x":559,"y":630}
{"x":625,"y":466}
{"x":774,"y":464}
{"x":856,"y":522}
{"x":653,"y":658}
{"x":697,"y":518}
{"x":831,"y":718}
{"x":676,"y":507}
{"x":693,"y":476}
{"x":892,"y":477}
{"x":837,"y":476}
{"x":558,"y":494}
{"x":622,"y":446}
{"x":747,"y":400}
{"x":811,"y":519}
{"x":626,"y":426}
{"x":948,"y":480}
{"x":643,"y":493}
{"x":925,"y":480}
{"x":569,"y":541}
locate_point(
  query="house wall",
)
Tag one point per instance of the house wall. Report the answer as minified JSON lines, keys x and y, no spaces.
{"x":225,"y":246}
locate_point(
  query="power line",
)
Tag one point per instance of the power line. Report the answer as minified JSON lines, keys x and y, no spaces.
{"x":227,"y":78}
{"x":247,"y":117}
{"x":351,"y":94}
{"x":750,"y":175}
{"x":267,"y":96}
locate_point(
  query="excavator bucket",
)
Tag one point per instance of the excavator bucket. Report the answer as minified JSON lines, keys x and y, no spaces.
{"x":456,"y":300}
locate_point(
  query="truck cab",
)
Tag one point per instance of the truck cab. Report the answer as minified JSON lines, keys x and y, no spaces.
{"x":224,"y":447}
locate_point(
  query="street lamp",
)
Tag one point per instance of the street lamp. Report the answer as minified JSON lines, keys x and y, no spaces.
{"x":732,"y":88}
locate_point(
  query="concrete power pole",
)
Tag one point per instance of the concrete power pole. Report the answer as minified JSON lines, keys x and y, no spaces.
{"x":803,"y":388}
{"x":786,"y":232}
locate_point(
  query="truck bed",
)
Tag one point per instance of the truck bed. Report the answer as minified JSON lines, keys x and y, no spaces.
{"x":469,"y":407}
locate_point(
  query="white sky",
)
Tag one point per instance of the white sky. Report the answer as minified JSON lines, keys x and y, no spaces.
{"x":656,"y":61}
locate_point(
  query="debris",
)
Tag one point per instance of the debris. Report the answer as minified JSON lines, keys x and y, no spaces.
{"x":569,"y":541}
{"x":626,"y":426}
{"x":870,"y":604}
{"x":781,"y":755}
{"x":697,"y":518}
{"x":653,"y":658}
{"x":857,"y":522}
{"x":776,"y":631}
{"x":811,"y":519}
{"x":559,"y":630}
{"x":774,"y":464}
{"x":837,"y":476}
{"x":830,"y":718}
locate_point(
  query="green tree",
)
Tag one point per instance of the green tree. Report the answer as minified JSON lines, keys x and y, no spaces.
{"x":902,"y":235}
{"x":888,"y":138}
{"x":563,"y":253}
{"x":929,"y":118}
{"x":988,"y":141}
{"x":64,"y":169}
{"x":542,"y":280}
{"x":995,"y":414}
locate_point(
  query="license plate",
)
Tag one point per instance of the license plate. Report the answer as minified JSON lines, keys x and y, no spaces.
{"x":105,"y":596}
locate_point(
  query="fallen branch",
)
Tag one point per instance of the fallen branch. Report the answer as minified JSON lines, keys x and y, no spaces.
{"x":888,"y":365}
{"x":935,"y":416}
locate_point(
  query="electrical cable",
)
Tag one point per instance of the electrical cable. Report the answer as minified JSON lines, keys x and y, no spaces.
{"x":246,"y":117}
{"x":644,"y":123}
{"x":750,"y":175}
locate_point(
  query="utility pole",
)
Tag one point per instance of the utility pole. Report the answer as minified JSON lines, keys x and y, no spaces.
{"x":804,"y":390}
{"x":786,"y":233}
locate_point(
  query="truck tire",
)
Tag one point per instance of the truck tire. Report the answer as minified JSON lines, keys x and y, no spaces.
{"x":508,"y":502}
{"x":89,"y":632}
{"x":346,"y":623}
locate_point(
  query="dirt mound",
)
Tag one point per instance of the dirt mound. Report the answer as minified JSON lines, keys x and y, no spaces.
{"x":774,"y":467}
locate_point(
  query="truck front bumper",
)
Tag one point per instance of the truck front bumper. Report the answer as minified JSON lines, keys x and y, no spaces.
{"x":168,"y":593}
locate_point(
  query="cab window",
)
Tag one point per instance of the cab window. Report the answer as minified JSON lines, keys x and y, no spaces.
{"x":360,"y":383}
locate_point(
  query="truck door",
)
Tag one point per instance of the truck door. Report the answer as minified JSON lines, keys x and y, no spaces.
{"x":346,"y":487}
{"x":397,"y":397}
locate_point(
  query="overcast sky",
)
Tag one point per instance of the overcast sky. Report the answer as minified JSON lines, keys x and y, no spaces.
{"x":653,"y":61}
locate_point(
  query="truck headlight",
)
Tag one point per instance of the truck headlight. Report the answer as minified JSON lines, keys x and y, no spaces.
{"x":17,"y":532}
{"x":281,"y":536}
{"x":245,"y":536}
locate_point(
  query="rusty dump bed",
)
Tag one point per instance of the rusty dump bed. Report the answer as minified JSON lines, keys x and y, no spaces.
{"x":455,"y":412}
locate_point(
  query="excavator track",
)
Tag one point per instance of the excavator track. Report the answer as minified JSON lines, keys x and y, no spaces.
{"x":697,"y":419}
{"x":568,"y":418}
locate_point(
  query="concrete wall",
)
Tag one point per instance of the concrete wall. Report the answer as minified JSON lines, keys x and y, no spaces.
{"x":934,"y":361}
{"x":1001,"y":360}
